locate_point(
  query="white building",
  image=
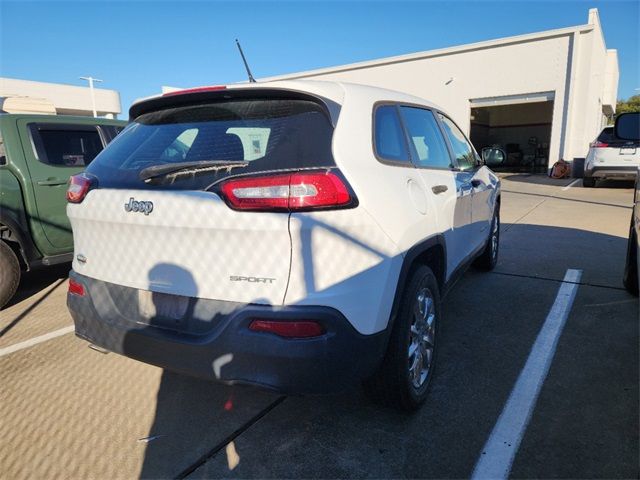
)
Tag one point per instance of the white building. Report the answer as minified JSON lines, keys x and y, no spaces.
{"x":544,"y":96}
{"x":25,"y":96}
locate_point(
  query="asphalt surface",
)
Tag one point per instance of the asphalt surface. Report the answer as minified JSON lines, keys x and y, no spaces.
{"x":69,"y":411}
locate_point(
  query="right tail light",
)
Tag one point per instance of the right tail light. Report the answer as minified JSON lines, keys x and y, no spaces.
{"x":300,"y":191}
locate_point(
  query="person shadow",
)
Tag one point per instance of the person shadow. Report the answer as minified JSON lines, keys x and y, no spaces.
{"x":190,"y":412}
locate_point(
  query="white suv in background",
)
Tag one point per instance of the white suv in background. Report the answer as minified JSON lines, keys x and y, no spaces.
{"x":611,"y":158}
{"x":293,"y":235}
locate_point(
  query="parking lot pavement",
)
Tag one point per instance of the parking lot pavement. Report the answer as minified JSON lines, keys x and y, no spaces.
{"x":73,"y":412}
{"x":69,"y":411}
{"x":41,"y":295}
{"x":586,"y":423}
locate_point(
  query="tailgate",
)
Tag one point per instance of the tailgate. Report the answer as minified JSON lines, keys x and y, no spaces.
{"x":189,"y":243}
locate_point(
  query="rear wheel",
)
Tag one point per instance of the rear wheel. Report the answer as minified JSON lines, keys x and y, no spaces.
{"x":403,"y":378}
{"x":489,"y":257}
{"x":588,"y":182}
{"x":9,"y":273}
{"x":630,"y":277}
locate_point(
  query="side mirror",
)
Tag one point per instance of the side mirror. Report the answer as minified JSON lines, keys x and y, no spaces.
{"x":627,"y":126}
{"x":493,"y":156}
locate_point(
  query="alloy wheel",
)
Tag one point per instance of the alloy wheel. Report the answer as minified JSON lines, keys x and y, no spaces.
{"x":422,"y":338}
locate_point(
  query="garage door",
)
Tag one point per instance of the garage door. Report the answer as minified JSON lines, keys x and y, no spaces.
{"x":519,"y":125}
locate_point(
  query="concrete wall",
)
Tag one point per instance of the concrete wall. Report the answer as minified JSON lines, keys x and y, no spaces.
{"x":573,"y":64}
{"x":512,"y":69}
{"x":594,"y":85}
{"x":67,"y":99}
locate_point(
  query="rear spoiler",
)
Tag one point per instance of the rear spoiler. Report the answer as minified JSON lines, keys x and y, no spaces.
{"x":199,"y":96}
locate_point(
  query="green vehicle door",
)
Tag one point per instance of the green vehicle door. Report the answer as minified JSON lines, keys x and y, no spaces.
{"x":54,"y":151}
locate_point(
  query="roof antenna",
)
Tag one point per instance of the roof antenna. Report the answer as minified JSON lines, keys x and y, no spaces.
{"x":246,"y":65}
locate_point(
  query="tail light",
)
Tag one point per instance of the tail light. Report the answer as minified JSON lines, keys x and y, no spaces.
{"x":79,"y":186}
{"x":288,"y":329}
{"x":76,"y":288}
{"x":290,"y":192}
{"x":598,"y":144}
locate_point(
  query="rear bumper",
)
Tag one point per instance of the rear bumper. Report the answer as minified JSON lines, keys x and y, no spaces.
{"x":213,"y":340}
{"x":627,"y":172}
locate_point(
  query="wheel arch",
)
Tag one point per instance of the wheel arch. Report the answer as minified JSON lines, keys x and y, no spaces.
{"x":431,"y":252}
{"x":20,"y":241}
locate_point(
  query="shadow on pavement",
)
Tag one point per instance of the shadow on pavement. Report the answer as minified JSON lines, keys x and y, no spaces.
{"x":620,"y":184}
{"x":535,"y":179}
{"x":542,"y":179}
{"x":491,"y":321}
{"x":547,"y":252}
{"x":35,"y":281}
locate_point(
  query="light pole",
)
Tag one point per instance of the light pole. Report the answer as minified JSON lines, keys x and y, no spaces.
{"x":93,"y":95}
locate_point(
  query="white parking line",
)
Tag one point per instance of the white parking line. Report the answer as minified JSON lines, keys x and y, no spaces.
{"x":571,"y":184}
{"x":36,"y":340}
{"x":498,"y":453}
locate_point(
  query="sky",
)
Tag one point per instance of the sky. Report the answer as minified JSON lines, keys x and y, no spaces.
{"x":138,"y":46}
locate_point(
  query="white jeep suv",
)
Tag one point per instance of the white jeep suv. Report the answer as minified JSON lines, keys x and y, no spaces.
{"x":293,"y":235}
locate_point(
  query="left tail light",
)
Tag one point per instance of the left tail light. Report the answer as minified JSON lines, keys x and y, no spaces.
{"x":290,"y":192}
{"x":76,"y":288}
{"x":79,"y":186}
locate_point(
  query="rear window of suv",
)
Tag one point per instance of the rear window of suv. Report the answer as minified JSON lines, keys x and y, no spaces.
{"x":266,"y":134}
{"x":606,"y":136}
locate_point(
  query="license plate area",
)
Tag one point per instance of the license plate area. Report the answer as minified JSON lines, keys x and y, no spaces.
{"x":627,"y":151}
{"x":162,"y":309}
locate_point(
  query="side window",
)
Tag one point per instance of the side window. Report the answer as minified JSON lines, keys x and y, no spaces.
{"x":67,"y":147}
{"x":461,"y":147}
{"x":389,"y":138}
{"x":430,"y":150}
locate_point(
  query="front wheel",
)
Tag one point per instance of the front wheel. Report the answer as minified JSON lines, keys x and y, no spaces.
{"x":403,"y":378}
{"x":588,"y":182}
{"x":489,"y":256}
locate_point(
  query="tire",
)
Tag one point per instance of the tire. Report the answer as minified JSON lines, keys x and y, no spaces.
{"x":9,"y":273}
{"x":588,"y":182}
{"x":630,"y":277}
{"x":402,"y":380}
{"x":489,"y":256}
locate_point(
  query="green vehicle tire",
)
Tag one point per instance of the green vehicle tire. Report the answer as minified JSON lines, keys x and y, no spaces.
{"x":9,"y":273}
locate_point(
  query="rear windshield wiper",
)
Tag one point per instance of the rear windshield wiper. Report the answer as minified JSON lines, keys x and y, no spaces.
{"x":188,"y":168}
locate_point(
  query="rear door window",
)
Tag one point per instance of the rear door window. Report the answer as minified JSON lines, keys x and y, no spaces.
{"x":429,"y":147}
{"x":389,"y":139}
{"x":267,"y":134}
{"x":66,"y":146}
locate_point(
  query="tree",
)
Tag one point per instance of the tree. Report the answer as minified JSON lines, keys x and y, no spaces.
{"x":632,"y":104}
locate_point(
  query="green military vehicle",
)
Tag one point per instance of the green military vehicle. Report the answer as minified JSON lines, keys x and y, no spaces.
{"x":38,"y":154}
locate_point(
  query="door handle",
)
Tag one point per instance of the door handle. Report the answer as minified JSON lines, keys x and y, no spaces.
{"x":49,"y":182}
{"x":438,"y":189}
